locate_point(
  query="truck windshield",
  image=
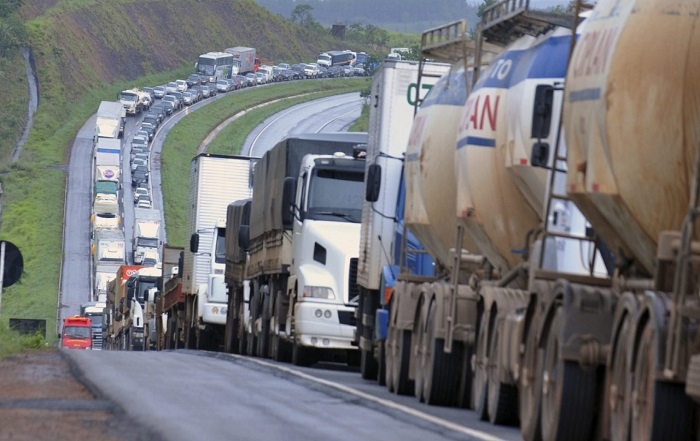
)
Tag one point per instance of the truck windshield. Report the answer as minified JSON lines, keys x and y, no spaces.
{"x":77,"y":331}
{"x":336,"y":194}
{"x":131,"y":97}
{"x":144,"y":286}
{"x":96,"y":319}
{"x":147,"y":242}
{"x":220,"y":251}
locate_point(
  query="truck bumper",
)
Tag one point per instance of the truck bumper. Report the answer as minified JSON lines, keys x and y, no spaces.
{"x":214,"y":313}
{"x":319,"y":325}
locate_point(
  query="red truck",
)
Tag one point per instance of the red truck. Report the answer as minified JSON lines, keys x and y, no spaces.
{"x":76,"y":333}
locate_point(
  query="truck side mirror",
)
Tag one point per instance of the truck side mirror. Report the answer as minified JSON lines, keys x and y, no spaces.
{"x":540,"y":154}
{"x":180,"y":264}
{"x":374,"y":182}
{"x":288,"y":196}
{"x":194,"y":243}
{"x":542,"y":111}
{"x":244,"y":237}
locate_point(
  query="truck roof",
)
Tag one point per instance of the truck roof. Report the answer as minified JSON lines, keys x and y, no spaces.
{"x":109,"y":235}
{"x":146,"y":214}
{"x":109,"y":109}
{"x":284,"y":160}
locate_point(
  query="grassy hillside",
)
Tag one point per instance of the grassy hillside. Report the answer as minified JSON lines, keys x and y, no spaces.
{"x":85,"y":52}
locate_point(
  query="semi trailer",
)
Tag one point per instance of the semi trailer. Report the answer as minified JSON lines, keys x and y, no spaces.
{"x":198,"y":309}
{"x":300,"y":237}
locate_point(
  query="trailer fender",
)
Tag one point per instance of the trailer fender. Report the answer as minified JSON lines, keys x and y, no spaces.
{"x":552,"y":299}
{"x":587,"y":330}
{"x":440,"y":296}
{"x":627,"y":306}
{"x":406,"y":303}
{"x":653,"y":308}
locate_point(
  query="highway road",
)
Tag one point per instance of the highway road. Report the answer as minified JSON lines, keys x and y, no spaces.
{"x":188,"y":395}
{"x":332,"y":114}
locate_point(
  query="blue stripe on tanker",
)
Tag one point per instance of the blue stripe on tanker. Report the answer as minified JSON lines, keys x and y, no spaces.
{"x":476,"y":142}
{"x":104,"y":150}
{"x":546,"y":60}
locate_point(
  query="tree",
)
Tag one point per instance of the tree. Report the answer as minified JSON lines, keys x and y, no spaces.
{"x":7,"y":7}
{"x":12,"y":34}
{"x":483,"y":6}
{"x":302,"y":14}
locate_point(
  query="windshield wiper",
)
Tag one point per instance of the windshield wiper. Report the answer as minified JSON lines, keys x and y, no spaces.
{"x":345,"y":216}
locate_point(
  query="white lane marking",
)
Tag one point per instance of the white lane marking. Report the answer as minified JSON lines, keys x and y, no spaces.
{"x":337,"y":118}
{"x":387,"y":403}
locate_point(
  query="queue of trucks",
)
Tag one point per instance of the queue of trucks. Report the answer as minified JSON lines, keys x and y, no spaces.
{"x":116,"y":304}
{"x":527,"y":249}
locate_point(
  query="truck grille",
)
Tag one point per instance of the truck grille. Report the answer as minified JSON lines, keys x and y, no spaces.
{"x":353,"y":290}
{"x":97,"y":341}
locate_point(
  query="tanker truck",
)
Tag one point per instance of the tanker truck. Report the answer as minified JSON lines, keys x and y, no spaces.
{"x":446,"y":340}
{"x":583,"y":319}
{"x":302,"y":242}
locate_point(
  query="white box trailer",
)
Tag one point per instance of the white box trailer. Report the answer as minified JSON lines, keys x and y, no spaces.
{"x":111,"y":119}
{"x":215,"y":182}
{"x":108,"y":153}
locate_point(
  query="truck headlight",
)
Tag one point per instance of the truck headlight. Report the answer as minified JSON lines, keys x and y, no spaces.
{"x":318,"y":292}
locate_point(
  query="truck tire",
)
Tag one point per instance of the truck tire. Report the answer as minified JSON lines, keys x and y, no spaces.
{"x":231,"y":329}
{"x":252,"y":341}
{"x":280,"y":349}
{"x":503,"y":397}
{"x":302,"y":356}
{"x":263,"y":350}
{"x":400,"y":362}
{"x":568,"y":391}
{"x":661,"y":410}
{"x":242,"y":334}
{"x":439,"y":369}
{"x":530,"y":388}
{"x":480,"y":384}
{"x":368,"y":365}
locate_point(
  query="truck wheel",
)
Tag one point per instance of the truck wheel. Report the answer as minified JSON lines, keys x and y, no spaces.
{"x":242,"y":333}
{"x":264,"y":337}
{"x":417,"y":351}
{"x":619,"y":390}
{"x":281,"y":349}
{"x":480,"y":386}
{"x":401,"y":356}
{"x":368,"y":365}
{"x":503,"y":397}
{"x":568,"y":391}
{"x":231,"y":327}
{"x":530,"y":388}
{"x":464,"y":397}
{"x":660,"y":410}
{"x":301,"y":356}
{"x":252,"y":343}
{"x":381,"y":364}
{"x":439,"y":368}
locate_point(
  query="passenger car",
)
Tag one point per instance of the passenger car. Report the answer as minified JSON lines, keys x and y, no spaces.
{"x":139,"y":192}
{"x":139,"y":176}
{"x":171,"y":87}
{"x":159,"y":91}
{"x":181,"y":85}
